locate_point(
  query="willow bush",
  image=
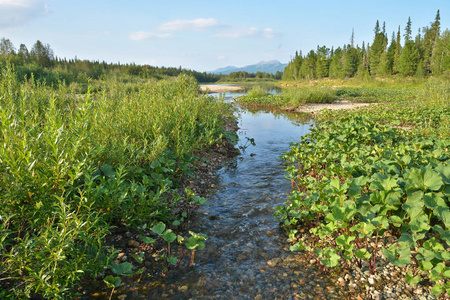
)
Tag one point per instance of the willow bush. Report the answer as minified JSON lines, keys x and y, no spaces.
{"x":72,"y":166}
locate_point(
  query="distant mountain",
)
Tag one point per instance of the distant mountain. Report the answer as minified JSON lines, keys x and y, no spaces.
{"x":271,"y":67}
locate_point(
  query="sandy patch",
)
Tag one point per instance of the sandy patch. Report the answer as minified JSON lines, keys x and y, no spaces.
{"x":336,"y":105}
{"x":213,"y":88}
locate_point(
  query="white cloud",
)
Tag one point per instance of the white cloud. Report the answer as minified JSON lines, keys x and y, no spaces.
{"x":17,"y":12}
{"x":142,"y":35}
{"x":221,"y":57}
{"x":189,"y":25}
{"x":253,"y":32}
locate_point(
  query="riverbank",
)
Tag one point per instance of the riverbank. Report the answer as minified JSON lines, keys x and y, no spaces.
{"x":215,"y":88}
{"x":336,"y":105}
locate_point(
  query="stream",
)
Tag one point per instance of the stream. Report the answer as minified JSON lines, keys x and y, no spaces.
{"x":246,"y":254}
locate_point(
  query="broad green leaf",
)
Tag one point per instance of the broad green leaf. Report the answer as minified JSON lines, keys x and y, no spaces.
{"x":363,"y":229}
{"x":398,"y":254}
{"x":432,"y":201}
{"x":436,"y":272}
{"x":425,"y":265}
{"x":362,"y":253}
{"x":380,"y":222}
{"x":149,"y":240}
{"x":437,"y":289}
{"x":169,"y":236}
{"x":396,"y":220}
{"x":444,"y":172}
{"x":193,"y":243}
{"x":444,"y":215}
{"x":407,"y":239}
{"x":112,"y":282}
{"x":432,"y":180}
{"x":123,"y":269}
{"x":159,"y":228}
{"x":419,"y":223}
{"x":344,"y":239}
{"x":172,"y":260}
{"x":297,"y":247}
{"x":330,"y":259}
{"x":335,"y":184}
{"x":427,"y":255}
{"x":414,"y":204}
{"x":410,"y":279}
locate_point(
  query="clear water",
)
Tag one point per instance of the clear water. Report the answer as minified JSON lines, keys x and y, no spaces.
{"x":246,"y":253}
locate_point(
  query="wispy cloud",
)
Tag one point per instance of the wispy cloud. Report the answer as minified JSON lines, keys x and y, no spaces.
{"x":17,"y":12}
{"x":142,"y":35}
{"x":251,"y":32}
{"x":189,"y":25}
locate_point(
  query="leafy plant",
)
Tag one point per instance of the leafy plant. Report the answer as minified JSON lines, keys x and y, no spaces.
{"x":356,"y":182}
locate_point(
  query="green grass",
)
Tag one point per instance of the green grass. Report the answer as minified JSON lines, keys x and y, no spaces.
{"x":288,"y":98}
{"x":72,"y":166}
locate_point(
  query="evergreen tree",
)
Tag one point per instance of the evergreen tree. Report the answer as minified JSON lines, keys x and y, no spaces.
{"x":430,"y":38}
{"x":363,"y":69}
{"x":351,"y":61}
{"x":377,"y":49}
{"x":409,"y":58}
{"x":308,"y":68}
{"x":322,"y":62}
{"x":335,"y":70}
{"x":390,"y":55}
{"x":408,"y":31}
{"x":398,"y":49}
{"x":440,"y":62}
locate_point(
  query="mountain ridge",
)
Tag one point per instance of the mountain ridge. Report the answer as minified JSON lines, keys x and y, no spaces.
{"x":270,"y":67}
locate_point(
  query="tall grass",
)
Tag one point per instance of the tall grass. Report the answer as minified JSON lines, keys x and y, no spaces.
{"x":435,"y":93}
{"x":309,"y":95}
{"x":288,"y":97}
{"x":71,"y":166}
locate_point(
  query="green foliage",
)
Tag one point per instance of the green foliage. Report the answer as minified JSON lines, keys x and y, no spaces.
{"x":421,"y":56}
{"x":71,"y":167}
{"x":289,"y":97}
{"x":357,"y":181}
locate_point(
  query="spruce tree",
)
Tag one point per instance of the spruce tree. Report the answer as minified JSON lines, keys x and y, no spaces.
{"x":390,"y":55}
{"x":409,"y":58}
{"x":398,"y":49}
{"x":377,"y":49}
{"x":441,"y":54}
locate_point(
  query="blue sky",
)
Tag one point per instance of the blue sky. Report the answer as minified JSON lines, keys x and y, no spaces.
{"x":204,"y":35}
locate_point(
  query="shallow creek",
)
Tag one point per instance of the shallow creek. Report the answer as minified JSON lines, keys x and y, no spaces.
{"x":246,"y":254}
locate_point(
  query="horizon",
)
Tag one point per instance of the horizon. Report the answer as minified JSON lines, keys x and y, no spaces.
{"x":204,"y":36}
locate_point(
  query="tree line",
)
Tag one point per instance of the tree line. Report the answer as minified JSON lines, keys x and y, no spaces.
{"x":427,"y":53}
{"x":41,"y":63}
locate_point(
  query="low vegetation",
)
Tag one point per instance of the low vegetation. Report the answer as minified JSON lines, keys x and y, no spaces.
{"x":73,"y":166}
{"x":372,"y":186}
